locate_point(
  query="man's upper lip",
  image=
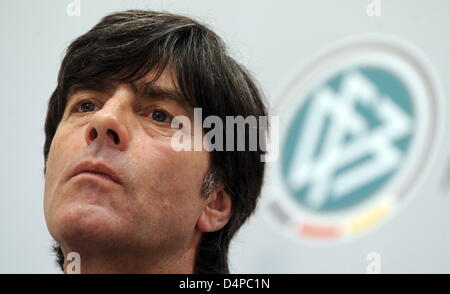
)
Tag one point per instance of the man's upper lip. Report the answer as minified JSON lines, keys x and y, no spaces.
{"x":96,"y":167}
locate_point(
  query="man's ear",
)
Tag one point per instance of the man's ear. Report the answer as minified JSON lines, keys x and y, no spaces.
{"x":217,"y":211}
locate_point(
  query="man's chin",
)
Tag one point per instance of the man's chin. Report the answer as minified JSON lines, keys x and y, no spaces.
{"x":85,"y":227}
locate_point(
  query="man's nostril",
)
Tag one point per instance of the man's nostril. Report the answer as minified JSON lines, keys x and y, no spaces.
{"x":93,"y":134}
{"x":114,"y":136}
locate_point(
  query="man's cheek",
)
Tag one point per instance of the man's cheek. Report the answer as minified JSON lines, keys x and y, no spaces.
{"x":182,"y":170}
{"x":170,"y":176}
{"x":64,"y":147}
{"x":55,"y":149}
{"x":58,"y":159}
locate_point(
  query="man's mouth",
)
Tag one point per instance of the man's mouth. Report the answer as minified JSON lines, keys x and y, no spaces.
{"x":96,"y":169}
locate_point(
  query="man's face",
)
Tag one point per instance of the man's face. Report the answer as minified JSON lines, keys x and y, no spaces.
{"x":156,"y":201}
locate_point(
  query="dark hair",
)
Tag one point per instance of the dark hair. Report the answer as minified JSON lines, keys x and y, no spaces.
{"x":123,"y":47}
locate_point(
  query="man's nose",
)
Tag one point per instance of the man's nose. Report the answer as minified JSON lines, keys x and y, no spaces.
{"x":108,"y":124}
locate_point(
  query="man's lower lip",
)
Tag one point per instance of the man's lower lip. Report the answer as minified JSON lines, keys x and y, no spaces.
{"x":99,"y":176}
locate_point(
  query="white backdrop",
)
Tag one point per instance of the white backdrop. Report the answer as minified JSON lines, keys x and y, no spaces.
{"x":272,"y":38}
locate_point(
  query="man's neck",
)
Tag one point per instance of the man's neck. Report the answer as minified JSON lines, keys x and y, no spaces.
{"x":133,"y":264}
{"x":132,"y":261}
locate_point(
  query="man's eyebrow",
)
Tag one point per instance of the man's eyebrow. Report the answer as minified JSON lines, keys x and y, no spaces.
{"x":99,"y":86}
{"x":152,"y":91}
{"x":144,"y":90}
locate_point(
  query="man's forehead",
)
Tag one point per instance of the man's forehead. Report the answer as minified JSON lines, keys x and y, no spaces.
{"x":165,"y":78}
{"x":155,"y":85}
{"x":162,"y":80}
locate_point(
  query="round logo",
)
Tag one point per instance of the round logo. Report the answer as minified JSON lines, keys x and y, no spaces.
{"x":357,"y":128}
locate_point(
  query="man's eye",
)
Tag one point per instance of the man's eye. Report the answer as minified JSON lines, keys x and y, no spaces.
{"x":85,"y":107}
{"x":160,"y":116}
